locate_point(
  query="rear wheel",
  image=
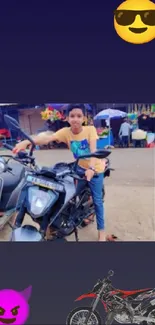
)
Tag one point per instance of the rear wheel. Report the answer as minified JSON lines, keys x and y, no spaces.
{"x":78,"y":317}
{"x":150,"y":313}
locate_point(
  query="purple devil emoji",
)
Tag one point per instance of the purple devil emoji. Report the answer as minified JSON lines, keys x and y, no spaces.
{"x":14,"y":307}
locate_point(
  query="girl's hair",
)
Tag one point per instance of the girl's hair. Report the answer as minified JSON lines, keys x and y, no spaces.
{"x":79,"y":106}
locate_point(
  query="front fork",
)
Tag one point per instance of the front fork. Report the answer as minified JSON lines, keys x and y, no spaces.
{"x":93,"y":307}
{"x":110,"y":315}
{"x":109,"y":318}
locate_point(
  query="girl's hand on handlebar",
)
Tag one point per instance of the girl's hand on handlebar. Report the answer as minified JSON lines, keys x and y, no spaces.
{"x":21,"y":146}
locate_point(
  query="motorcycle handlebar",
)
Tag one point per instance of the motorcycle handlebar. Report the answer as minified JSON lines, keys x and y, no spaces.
{"x":20,"y":155}
{"x":102,"y":285}
{"x":103,"y":281}
{"x":107,"y":279}
{"x":7,"y":146}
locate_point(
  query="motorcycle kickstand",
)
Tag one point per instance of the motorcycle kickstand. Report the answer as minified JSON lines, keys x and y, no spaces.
{"x":76,"y":234}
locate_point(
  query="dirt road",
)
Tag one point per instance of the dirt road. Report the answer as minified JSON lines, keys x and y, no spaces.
{"x":130,"y":194}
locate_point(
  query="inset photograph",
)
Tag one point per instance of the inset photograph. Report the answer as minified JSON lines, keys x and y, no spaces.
{"x":77,"y":172}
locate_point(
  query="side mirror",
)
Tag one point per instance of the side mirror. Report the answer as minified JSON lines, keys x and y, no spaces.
{"x":100,"y":154}
{"x":11,"y":122}
{"x":110,"y":273}
{"x":14,"y":125}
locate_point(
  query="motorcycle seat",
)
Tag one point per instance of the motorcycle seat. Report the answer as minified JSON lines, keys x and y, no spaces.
{"x":11,"y":181}
{"x":62,"y":168}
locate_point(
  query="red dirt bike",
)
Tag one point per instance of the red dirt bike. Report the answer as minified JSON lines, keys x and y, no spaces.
{"x":124,"y":307}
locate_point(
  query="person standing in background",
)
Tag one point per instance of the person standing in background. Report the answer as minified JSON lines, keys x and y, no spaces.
{"x":124,"y":133}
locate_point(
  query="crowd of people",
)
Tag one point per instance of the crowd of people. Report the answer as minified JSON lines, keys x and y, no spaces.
{"x":137,"y":136}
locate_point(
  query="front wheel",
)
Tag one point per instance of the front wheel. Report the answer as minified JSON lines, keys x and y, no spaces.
{"x":78,"y":316}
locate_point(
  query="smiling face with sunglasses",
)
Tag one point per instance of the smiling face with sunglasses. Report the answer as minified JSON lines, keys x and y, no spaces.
{"x":134,"y":21}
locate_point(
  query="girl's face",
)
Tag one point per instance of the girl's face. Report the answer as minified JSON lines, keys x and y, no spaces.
{"x":76,"y":118}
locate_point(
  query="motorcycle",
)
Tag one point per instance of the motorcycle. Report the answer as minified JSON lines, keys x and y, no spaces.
{"x":11,"y":182}
{"x":49,"y":196}
{"x":124,"y":307}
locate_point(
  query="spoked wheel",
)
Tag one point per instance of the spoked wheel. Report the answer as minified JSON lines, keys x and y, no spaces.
{"x":152,"y":315}
{"x":78,"y":317}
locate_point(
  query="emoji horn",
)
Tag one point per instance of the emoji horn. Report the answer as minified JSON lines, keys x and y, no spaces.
{"x":26,"y":293}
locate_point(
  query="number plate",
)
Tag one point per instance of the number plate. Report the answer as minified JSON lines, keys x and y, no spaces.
{"x":45,"y":183}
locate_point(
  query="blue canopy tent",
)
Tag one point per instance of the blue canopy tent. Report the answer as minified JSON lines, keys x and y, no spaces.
{"x":107,"y":115}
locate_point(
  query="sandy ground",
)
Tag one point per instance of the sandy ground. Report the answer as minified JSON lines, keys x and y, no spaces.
{"x":130,"y":194}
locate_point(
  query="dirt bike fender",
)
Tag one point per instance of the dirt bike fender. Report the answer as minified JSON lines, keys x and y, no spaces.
{"x":91,"y":295}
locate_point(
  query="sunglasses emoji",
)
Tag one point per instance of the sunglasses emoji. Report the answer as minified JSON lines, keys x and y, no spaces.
{"x":134,"y":21}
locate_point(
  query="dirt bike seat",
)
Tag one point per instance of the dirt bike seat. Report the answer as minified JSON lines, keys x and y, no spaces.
{"x":11,"y":181}
{"x":131,"y":293}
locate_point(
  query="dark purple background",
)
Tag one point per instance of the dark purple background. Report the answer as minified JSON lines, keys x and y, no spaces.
{"x":59,"y":273}
{"x":69,"y":50}
{"x":59,"y":51}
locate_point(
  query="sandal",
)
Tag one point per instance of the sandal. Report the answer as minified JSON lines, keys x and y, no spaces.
{"x":111,"y":238}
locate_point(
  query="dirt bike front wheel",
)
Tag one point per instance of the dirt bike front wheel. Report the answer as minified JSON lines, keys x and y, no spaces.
{"x":78,"y":316}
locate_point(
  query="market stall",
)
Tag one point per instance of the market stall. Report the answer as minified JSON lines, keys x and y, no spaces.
{"x":4,"y":136}
{"x":106,"y":138}
{"x":54,"y":116}
{"x":143,"y":121}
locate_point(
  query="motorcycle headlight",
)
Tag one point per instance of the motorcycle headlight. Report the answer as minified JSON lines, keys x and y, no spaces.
{"x":39,"y":201}
{"x":2,"y":165}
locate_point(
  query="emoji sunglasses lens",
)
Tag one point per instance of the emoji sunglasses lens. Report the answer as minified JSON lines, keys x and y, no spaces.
{"x":127,"y":17}
{"x":148,"y":17}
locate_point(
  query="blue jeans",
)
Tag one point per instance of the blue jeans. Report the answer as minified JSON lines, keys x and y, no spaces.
{"x":125,"y":141}
{"x":96,"y":186}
